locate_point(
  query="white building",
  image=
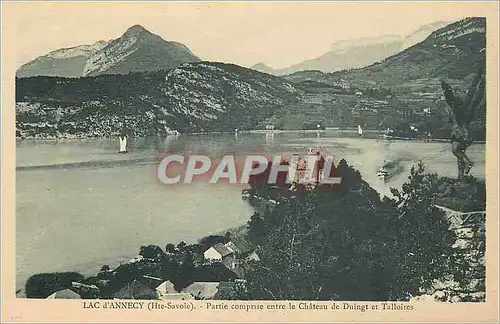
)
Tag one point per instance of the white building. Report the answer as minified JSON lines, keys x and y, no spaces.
{"x":217,"y":253}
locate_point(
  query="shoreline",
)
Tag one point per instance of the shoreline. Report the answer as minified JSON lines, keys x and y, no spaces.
{"x":91,"y":268}
{"x":380,"y":134}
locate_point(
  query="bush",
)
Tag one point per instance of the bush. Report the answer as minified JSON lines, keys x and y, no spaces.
{"x":44,"y":284}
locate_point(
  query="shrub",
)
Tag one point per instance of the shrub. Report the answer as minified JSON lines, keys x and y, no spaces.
{"x":44,"y":284}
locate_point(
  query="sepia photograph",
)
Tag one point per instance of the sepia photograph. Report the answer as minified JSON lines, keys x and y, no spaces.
{"x":232,"y":159}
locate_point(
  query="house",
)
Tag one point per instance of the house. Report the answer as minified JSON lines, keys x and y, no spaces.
{"x":84,"y":290}
{"x":166,"y":291}
{"x":202,"y":290}
{"x":165,"y":288}
{"x":65,"y":294}
{"x":253,"y":256}
{"x":177,"y":296}
{"x":217,"y":253}
{"x":231,"y":246}
{"x":230,"y":262}
{"x":210,"y":290}
{"x":136,"y":290}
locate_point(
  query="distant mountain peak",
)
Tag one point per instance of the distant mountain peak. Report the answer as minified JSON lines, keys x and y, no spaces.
{"x":262,"y":67}
{"x":137,"y":50}
{"x":136,"y":29}
{"x":358,"y":53}
{"x":364,"y":41}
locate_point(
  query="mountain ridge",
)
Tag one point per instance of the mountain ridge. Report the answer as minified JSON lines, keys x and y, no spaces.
{"x":356,"y":53}
{"x":194,"y":97}
{"x":136,"y":50}
{"x":455,"y":51}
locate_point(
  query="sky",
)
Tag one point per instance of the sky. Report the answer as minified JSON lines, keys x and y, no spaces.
{"x":277,"y":33}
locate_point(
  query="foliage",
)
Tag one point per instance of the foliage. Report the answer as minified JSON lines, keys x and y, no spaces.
{"x":345,"y":243}
{"x":151,"y":252}
{"x":424,"y":250}
{"x":104,"y":268}
{"x":170,"y":248}
{"x":216,"y":272}
{"x":44,"y":284}
{"x":211,"y":240}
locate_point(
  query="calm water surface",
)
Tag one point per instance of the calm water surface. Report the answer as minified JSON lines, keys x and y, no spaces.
{"x":80,"y":204}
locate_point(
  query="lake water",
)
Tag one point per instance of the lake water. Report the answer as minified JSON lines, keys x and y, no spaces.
{"x":80,"y":204}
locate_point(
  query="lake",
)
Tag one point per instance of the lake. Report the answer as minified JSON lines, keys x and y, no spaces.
{"x":80,"y":204}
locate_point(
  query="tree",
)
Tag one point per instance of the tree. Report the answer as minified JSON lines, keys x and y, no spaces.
{"x":151,"y":252}
{"x":256,"y":229}
{"x":44,"y":284}
{"x":104,"y":268}
{"x":346,"y":243}
{"x":170,"y":248}
{"x":424,"y":246}
{"x":185,"y":272}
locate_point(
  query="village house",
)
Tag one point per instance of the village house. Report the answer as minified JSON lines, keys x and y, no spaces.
{"x":64,"y":294}
{"x":177,"y":296}
{"x":136,"y":290}
{"x":231,"y":253}
{"x":210,"y":290}
{"x":165,"y":288}
{"x":231,"y":246}
{"x":217,"y":253}
{"x":202,"y":290}
{"x":166,"y":291}
{"x":253,"y":256}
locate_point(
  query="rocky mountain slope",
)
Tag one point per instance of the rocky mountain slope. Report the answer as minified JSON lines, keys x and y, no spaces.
{"x":137,"y":50}
{"x":357,"y":53}
{"x":65,"y":62}
{"x":401,"y":91}
{"x":454,"y":51}
{"x":194,"y":97}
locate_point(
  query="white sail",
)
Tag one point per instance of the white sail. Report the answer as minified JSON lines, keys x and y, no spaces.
{"x":123,"y":144}
{"x":360,"y":130}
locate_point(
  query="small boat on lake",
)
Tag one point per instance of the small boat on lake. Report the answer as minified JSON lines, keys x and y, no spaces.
{"x":123,"y":144}
{"x":360,"y":130}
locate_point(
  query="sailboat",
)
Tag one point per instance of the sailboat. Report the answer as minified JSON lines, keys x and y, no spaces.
{"x":123,"y":144}
{"x":360,"y":130}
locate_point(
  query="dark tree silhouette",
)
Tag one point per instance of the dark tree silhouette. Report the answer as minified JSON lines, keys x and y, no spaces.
{"x":43,"y":284}
{"x":461,"y":113}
